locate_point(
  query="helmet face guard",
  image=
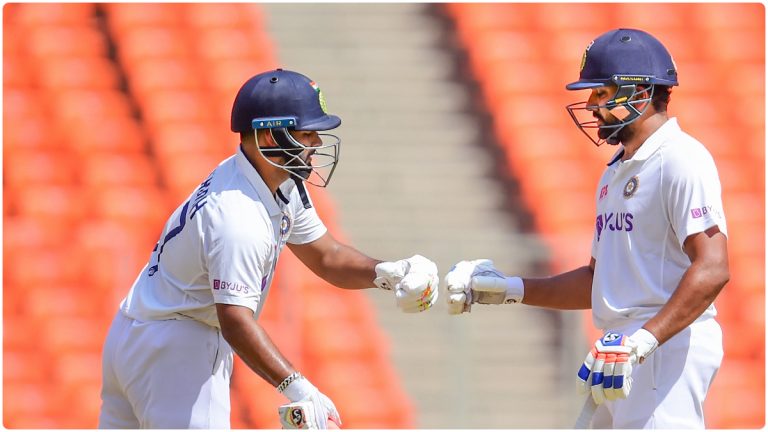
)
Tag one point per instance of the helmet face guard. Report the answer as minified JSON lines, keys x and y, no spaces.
{"x":626,"y":105}
{"x":311,"y":164}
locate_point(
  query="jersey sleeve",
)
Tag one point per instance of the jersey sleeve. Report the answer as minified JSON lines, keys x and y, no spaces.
{"x":239,"y":257}
{"x":693,"y":195}
{"x":307,"y":226}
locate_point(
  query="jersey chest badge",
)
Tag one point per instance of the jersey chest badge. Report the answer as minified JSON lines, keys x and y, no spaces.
{"x":631,"y":187}
{"x":285,"y":227}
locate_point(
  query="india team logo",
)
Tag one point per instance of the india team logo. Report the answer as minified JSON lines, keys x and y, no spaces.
{"x":285,"y":226}
{"x":584,"y":57}
{"x":320,"y":96}
{"x":631,"y":187}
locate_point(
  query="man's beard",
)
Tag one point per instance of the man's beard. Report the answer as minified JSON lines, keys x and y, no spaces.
{"x":624,"y":134}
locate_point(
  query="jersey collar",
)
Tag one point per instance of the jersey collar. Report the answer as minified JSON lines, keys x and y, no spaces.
{"x":654,"y":141}
{"x":257,"y":182}
{"x":651,"y":144}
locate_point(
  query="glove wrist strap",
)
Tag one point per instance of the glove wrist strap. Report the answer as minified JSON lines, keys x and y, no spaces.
{"x":297,"y":387}
{"x":515,"y":290}
{"x":646,"y":343}
{"x":382,"y":281}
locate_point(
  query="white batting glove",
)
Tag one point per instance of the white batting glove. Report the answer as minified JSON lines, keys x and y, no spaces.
{"x":607,"y":370}
{"x":414,"y":280}
{"x":302,"y":393}
{"x":478,"y":281}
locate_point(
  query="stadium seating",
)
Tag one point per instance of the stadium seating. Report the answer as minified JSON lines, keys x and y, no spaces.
{"x":522,"y":55}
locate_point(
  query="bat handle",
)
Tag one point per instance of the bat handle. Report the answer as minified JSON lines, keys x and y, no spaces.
{"x":584,"y":420}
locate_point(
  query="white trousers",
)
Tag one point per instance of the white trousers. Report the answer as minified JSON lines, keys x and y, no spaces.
{"x":165,"y":375}
{"x":669,"y":388}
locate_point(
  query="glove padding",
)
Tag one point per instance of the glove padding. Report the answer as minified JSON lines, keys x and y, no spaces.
{"x":478,"y":281}
{"x":414,"y":280}
{"x":309,"y":409}
{"x":607,"y":369}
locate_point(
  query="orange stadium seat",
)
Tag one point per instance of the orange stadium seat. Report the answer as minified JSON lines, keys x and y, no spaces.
{"x":183,"y":172}
{"x":25,"y":167}
{"x":116,"y":252}
{"x":175,"y":106}
{"x":108,"y":134}
{"x":127,"y":16}
{"x":229,"y":74}
{"x":85,"y":395}
{"x":21,"y":103}
{"x":143,"y":206}
{"x":31,"y":266}
{"x":168,"y":73}
{"x":40,"y":14}
{"x":660,"y":17}
{"x":65,"y":204}
{"x":26,"y":403}
{"x":70,"y":41}
{"x":79,"y":73}
{"x":226,"y":43}
{"x":13,"y":37}
{"x":73,"y":300}
{"x":79,"y":365}
{"x":25,"y":366}
{"x":89,"y":105}
{"x":20,"y":232}
{"x":18,"y":73}
{"x":566,"y":17}
{"x":106,"y":170}
{"x":331,"y":340}
{"x":17,"y":327}
{"x":171,"y":140}
{"x":31,"y":132}
{"x":153,"y":42}
{"x":735,"y":46}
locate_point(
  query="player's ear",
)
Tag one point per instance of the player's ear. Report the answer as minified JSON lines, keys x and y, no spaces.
{"x":247,"y":137}
{"x":265,"y":139}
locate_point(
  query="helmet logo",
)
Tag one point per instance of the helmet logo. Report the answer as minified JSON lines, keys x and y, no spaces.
{"x":320,"y":96}
{"x":584,"y":57}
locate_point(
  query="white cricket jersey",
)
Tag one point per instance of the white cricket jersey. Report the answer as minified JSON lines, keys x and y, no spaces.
{"x":221,"y":246}
{"x":646,"y":207}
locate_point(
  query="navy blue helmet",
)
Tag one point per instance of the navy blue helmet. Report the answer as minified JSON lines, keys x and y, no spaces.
{"x":281,"y":101}
{"x":627,"y":58}
{"x":282,"y":93}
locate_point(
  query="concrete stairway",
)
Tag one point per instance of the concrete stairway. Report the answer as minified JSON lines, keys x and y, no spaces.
{"x":413,"y":178}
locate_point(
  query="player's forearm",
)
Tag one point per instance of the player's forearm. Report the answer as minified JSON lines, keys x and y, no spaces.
{"x":252,"y":343}
{"x":698,"y":288}
{"x":346,"y":267}
{"x":570,"y":290}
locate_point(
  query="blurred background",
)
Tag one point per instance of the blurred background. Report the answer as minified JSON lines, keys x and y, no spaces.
{"x":456,"y":145}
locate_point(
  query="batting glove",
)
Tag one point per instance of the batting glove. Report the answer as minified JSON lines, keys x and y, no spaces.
{"x":607,"y":370}
{"x":303,"y":394}
{"x":479,"y":281}
{"x":414,"y":281}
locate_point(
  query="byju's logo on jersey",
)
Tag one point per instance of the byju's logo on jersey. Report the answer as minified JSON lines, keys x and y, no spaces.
{"x":613,"y":222}
{"x":704,"y":211}
{"x":222,"y":285}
